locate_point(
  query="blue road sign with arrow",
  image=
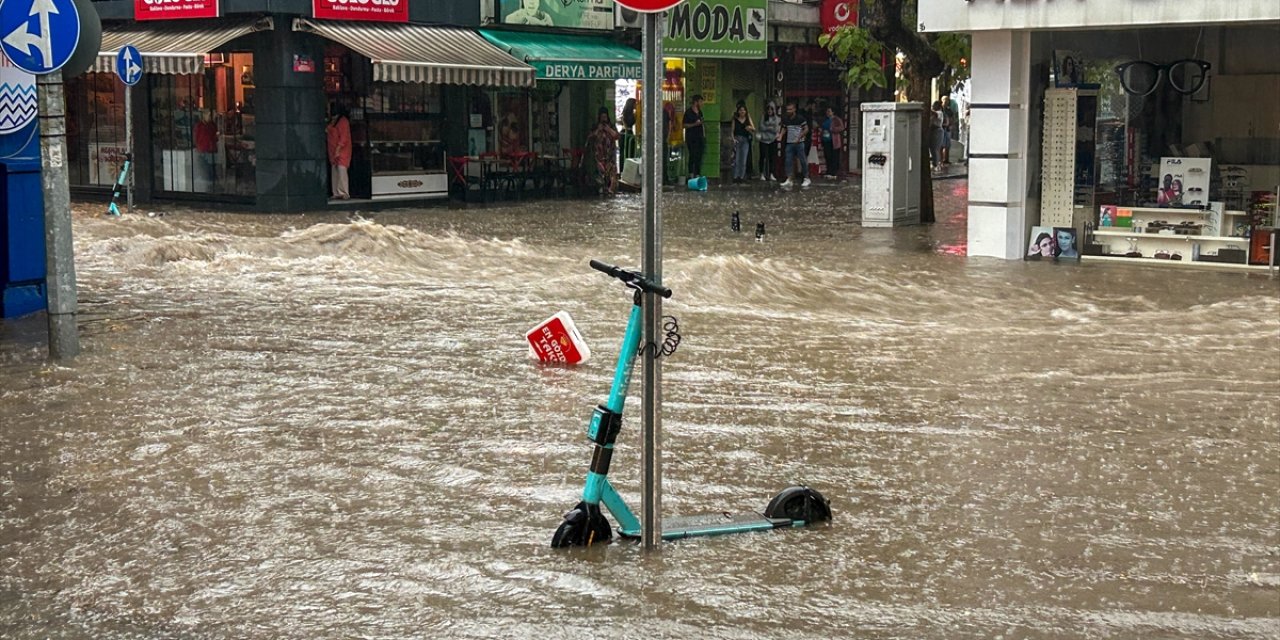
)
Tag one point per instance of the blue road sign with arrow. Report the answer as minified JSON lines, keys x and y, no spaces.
{"x":129,"y":64}
{"x":39,"y":36}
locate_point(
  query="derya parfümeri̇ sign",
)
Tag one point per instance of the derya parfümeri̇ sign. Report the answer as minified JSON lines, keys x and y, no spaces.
{"x":576,"y":14}
{"x":718,"y":29}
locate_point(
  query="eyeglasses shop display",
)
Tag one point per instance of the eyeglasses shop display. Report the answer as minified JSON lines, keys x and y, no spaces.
{"x":1186,"y":226}
{"x":1142,"y":78}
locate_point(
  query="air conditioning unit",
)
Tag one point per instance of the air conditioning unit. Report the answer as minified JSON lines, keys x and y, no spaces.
{"x":625,"y":18}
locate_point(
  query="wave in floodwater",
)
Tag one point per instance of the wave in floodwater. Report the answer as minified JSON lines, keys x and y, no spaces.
{"x":315,"y":426}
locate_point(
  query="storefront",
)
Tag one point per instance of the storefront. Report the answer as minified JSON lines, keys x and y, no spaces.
{"x":234,"y":102}
{"x":1147,"y":132}
{"x":398,"y":82}
{"x":197,"y":102}
{"x":576,"y":76}
{"x":718,"y":49}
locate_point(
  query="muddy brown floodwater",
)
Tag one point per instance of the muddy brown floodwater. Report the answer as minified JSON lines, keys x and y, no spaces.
{"x":310,"y":427}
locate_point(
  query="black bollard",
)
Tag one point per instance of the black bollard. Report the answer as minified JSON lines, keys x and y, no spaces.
{"x":759,"y":232}
{"x":735,"y":223}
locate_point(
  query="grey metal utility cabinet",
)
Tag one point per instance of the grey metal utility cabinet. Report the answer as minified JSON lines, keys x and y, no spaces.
{"x":891,"y":166}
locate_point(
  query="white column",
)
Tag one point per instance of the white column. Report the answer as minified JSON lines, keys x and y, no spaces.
{"x":998,"y":207}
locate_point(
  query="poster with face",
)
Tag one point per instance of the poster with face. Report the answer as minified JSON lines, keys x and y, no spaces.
{"x":1065,"y":240}
{"x":1068,"y":68}
{"x":1183,"y":181}
{"x":513,"y":123}
{"x":1043,"y":245}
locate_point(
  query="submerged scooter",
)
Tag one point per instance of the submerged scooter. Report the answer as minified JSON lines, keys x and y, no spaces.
{"x":586,"y":524}
{"x":112,"y":209}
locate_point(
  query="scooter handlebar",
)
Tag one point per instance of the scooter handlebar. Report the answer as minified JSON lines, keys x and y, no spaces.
{"x":631,"y":278}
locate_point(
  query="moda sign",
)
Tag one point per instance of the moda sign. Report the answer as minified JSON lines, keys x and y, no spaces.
{"x":174,"y":9}
{"x":718,"y":29}
{"x":375,"y":10}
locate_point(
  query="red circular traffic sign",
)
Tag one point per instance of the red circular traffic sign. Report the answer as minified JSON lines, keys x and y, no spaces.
{"x":648,"y":6}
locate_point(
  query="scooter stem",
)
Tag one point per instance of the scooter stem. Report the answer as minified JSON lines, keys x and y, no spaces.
{"x":607,"y":419}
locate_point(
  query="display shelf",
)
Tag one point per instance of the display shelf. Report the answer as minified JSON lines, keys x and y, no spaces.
{"x":394,"y":142}
{"x":1163,"y":236}
{"x":1184,"y":263}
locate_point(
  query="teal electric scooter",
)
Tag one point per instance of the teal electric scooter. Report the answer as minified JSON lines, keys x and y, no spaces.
{"x":586,"y":524}
{"x":121,"y":180}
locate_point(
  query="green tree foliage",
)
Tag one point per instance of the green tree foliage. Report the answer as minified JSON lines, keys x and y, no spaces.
{"x":889,"y":26}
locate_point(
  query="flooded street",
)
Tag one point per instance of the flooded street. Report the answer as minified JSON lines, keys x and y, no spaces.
{"x":312,"y":427}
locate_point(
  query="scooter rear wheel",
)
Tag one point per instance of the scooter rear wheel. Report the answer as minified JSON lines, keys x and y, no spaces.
{"x":583,"y":526}
{"x":799,"y":503}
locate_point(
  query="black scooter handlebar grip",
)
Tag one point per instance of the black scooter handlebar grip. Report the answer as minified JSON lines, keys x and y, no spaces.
{"x":605,"y":268}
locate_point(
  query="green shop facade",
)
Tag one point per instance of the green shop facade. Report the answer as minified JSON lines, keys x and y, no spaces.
{"x":718,"y":49}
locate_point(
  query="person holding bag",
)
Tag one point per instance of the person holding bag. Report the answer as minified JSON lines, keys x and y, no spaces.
{"x":743,"y":130}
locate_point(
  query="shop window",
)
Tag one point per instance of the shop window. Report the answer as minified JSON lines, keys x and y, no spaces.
{"x":202,"y":129}
{"x":95,"y":129}
{"x":400,"y":140}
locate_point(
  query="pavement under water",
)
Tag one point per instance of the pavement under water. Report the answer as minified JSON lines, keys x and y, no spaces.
{"x":309,"y":426}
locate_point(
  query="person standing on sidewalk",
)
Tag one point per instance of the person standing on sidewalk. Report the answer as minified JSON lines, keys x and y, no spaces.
{"x":695,"y":136}
{"x":338,"y":134}
{"x":743,"y":130}
{"x":767,"y":135}
{"x":832,"y":142}
{"x":795,"y":134}
{"x":950,"y":127}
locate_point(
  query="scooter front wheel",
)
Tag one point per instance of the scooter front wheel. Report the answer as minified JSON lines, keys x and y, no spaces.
{"x":799,"y":503}
{"x":583,"y":526}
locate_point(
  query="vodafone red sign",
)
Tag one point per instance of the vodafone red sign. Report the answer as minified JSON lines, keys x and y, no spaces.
{"x":839,"y":13}
{"x":377,"y":10}
{"x":174,"y":9}
{"x":648,"y":6}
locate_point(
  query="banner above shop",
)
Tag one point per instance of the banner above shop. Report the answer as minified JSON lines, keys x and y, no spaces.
{"x":718,"y":29}
{"x":839,"y":13}
{"x":551,"y":70}
{"x":574,"y":14}
{"x":174,"y":9}
{"x":371,"y":10}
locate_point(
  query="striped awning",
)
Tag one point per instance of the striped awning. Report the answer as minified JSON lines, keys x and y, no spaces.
{"x":403,"y":52}
{"x":173,"y":46}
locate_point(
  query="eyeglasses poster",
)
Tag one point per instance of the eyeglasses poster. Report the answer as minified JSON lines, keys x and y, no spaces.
{"x":1183,"y":182}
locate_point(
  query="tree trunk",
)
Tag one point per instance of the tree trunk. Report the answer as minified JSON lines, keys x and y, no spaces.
{"x":885,"y":20}
{"x":919,"y":89}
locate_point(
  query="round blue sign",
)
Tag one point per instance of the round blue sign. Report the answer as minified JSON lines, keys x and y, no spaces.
{"x":129,"y":64}
{"x":39,"y":36}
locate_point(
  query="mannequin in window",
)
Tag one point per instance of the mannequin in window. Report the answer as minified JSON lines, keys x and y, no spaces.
{"x":206,"y":140}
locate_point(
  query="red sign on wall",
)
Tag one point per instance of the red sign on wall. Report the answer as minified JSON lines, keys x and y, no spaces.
{"x":174,"y":9}
{"x":378,"y":10}
{"x":839,"y":13}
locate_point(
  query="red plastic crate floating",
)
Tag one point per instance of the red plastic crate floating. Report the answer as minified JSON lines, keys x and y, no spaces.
{"x":557,"y":340}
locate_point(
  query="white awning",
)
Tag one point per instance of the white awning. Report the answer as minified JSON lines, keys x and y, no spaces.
{"x":403,"y":52}
{"x":173,"y":46}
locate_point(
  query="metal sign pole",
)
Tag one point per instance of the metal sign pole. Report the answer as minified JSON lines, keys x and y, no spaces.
{"x":60,"y":268}
{"x":128,"y":143}
{"x":651,"y":252}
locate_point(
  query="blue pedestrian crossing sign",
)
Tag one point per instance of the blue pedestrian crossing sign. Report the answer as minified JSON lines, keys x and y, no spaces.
{"x":39,"y":36}
{"x":129,"y":64}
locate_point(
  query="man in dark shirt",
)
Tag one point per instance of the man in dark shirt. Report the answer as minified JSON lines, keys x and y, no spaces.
{"x":795,"y":132}
{"x":695,"y":136}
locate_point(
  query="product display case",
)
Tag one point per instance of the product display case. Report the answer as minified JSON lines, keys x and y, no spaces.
{"x":402,"y":141}
{"x":1169,"y":236}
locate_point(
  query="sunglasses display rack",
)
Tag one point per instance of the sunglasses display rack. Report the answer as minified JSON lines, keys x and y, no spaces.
{"x":1170,"y":236}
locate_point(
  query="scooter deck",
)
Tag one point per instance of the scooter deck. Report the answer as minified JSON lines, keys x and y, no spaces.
{"x":714,"y":524}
